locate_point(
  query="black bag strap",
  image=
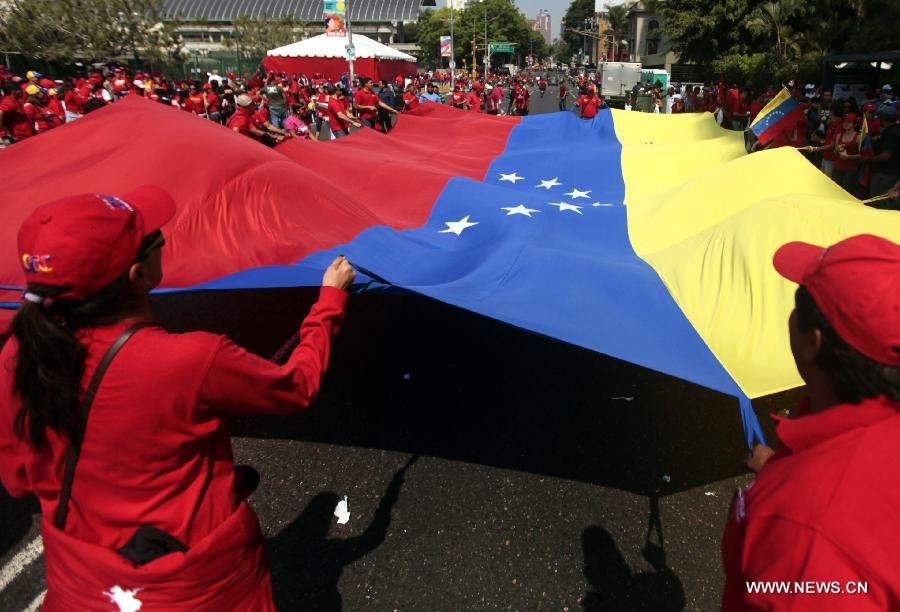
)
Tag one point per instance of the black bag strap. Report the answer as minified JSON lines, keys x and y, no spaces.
{"x":74,"y":450}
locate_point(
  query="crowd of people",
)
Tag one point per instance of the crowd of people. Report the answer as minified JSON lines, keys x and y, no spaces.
{"x":822,"y":506}
{"x":855,"y":142}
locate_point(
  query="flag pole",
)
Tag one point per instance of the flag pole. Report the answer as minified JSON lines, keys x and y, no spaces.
{"x":879,"y":198}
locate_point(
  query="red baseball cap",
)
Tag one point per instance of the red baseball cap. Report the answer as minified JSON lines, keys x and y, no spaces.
{"x":856,"y":285}
{"x":85,"y":242}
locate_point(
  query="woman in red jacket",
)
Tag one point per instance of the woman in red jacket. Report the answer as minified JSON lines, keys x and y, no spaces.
{"x":119,"y":427}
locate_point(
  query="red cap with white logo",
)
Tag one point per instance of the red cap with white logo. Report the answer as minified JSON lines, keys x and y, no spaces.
{"x":85,"y":242}
{"x":856,"y":285}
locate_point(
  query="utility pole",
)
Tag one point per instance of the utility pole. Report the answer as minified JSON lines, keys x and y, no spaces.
{"x":452,"y":52}
{"x":474,"y":63}
{"x":351,"y":51}
{"x":487,"y":47}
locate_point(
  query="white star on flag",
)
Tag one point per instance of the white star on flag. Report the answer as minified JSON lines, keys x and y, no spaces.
{"x":457,"y":227}
{"x":551,"y":183}
{"x":512,"y":178}
{"x":519,"y":210}
{"x":599,"y":204}
{"x":579,"y":194}
{"x":566,"y":206}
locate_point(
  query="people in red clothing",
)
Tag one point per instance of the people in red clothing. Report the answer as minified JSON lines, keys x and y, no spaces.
{"x":12,"y":116}
{"x":474,"y":100}
{"x":198,"y":100}
{"x":847,"y":153}
{"x":39,"y":116}
{"x":242,"y":120}
{"x":55,"y":105}
{"x":410,"y":98}
{"x":589,"y":104}
{"x":872,"y":121}
{"x":521,"y":99}
{"x":339,"y":115}
{"x":458,"y":98}
{"x":212,"y":103}
{"x":366,"y":102}
{"x":156,"y":504}
{"x":823,"y":507}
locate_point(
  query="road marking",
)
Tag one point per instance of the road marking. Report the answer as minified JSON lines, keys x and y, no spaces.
{"x":20,"y":561}
{"x":35,"y":604}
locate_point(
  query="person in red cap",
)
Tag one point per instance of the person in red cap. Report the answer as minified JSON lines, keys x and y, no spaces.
{"x":119,"y":427}
{"x":458,"y":98}
{"x":410,"y":98}
{"x":820,"y":519}
{"x":873,"y":123}
{"x":589,"y":103}
{"x":474,"y":99}
{"x":12,"y":116}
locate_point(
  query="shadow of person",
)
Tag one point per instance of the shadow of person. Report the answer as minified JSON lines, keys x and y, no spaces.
{"x":306,"y":563}
{"x":613,"y":586}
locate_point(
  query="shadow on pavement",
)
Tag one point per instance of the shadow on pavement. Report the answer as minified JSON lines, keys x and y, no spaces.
{"x":414,"y":375}
{"x":15,"y":517}
{"x":613,"y":585}
{"x":307,"y":564}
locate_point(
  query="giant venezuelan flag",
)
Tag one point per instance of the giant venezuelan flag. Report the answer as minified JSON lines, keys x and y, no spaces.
{"x":645,"y":237}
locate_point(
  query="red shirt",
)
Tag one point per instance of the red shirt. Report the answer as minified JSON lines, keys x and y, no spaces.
{"x":260,"y":117}
{"x":14,"y":119}
{"x":521,"y":98}
{"x":589,"y":106}
{"x":42,"y":118}
{"x":54,"y":104}
{"x":336,"y":106}
{"x":457,"y":99}
{"x":473,"y":101}
{"x":241,"y":119}
{"x":365,"y":98}
{"x":824,"y":509}
{"x":212,"y":102}
{"x":196,"y":101}
{"x":410,"y":101}
{"x":157,"y":449}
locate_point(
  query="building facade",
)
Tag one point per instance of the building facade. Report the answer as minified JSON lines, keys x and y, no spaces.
{"x":543,"y":24}
{"x":648,"y":44}
{"x":205,"y":25}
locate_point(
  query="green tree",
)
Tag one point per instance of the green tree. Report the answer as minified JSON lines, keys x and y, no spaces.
{"x":559,"y":51}
{"x":499,"y":18}
{"x":574,"y":18}
{"x":251,"y":36}
{"x":617,"y":16}
{"x":771,"y":41}
{"x":93,"y":30}
{"x":772,"y":19}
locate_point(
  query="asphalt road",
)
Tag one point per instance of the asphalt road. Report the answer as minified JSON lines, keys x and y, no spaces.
{"x":485,"y":468}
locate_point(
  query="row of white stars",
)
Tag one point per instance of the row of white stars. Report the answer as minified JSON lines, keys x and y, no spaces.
{"x":546,"y":184}
{"x":458,"y":227}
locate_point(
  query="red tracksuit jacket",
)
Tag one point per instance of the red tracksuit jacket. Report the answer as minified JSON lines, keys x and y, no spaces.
{"x":157,"y":452}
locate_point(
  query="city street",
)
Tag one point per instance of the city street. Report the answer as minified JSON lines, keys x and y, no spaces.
{"x":485,"y":467}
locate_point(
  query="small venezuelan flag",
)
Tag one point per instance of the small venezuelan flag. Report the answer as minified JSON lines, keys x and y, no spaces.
{"x":781,"y":113}
{"x":864,"y":142}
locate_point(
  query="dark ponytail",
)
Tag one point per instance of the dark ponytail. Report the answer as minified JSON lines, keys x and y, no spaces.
{"x":50,"y":358}
{"x":49,"y":368}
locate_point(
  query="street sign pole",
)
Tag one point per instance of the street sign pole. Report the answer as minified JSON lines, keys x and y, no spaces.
{"x":351,"y":51}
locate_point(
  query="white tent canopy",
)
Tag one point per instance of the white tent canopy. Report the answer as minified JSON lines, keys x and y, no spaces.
{"x":335,"y":46}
